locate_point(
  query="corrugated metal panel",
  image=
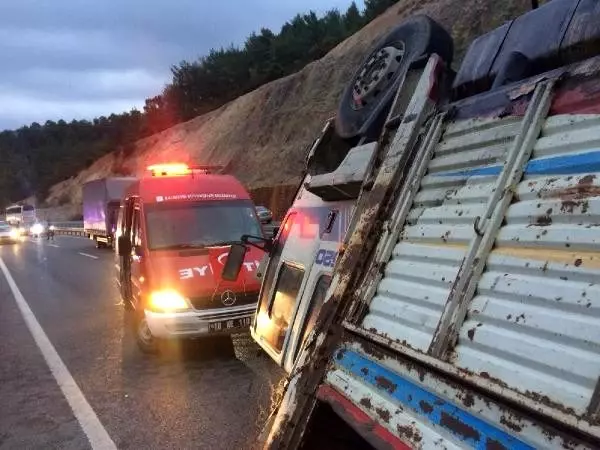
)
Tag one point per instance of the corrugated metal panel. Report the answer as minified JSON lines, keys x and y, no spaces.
{"x":534,"y":323}
{"x":427,"y":411}
{"x":411,"y":296}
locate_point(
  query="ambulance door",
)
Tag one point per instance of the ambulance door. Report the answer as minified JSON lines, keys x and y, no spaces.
{"x":125,"y":223}
{"x":137,"y":255}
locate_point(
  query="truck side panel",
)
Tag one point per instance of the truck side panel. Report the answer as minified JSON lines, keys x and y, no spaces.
{"x":534,"y":321}
{"x":94,"y":206}
{"x":97,"y":195}
{"x":522,"y":317}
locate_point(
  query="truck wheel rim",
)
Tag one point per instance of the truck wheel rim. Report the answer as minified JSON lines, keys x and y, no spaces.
{"x":377,"y":74}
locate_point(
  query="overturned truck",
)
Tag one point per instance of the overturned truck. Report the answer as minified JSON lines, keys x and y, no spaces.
{"x":463,"y":306}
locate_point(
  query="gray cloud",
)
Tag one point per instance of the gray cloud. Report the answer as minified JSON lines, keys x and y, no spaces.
{"x":84,"y":58}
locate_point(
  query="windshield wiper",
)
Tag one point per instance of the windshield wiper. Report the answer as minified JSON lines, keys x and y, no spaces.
{"x":199,"y":245}
{"x":179,"y":246}
{"x":222,"y":243}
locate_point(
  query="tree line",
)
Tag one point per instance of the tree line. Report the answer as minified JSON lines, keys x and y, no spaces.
{"x":37,"y":156}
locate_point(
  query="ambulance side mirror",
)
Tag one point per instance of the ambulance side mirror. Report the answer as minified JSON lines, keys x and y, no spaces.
{"x":124,"y":245}
{"x":275,"y":231}
{"x":234,"y":262}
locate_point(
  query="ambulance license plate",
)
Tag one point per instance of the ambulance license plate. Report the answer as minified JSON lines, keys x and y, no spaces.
{"x":225,"y":325}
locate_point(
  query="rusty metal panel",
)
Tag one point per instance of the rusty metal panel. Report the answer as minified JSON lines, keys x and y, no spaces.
{"x":423,"y":410}
{"x":533,"y":325}
{"x":412,"y":293}
{"x":474,"y":143}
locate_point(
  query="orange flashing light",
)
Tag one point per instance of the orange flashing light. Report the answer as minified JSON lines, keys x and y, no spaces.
{"x":166,"y":170}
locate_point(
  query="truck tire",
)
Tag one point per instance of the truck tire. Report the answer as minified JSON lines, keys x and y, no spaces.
{"x":369,"y":94}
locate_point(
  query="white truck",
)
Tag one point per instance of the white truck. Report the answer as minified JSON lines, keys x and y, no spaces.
{"x":21,"y":217}
{"x":463,"y":308}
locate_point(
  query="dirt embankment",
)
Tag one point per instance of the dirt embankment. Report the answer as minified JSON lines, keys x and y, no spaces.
{"x":262,"y":136}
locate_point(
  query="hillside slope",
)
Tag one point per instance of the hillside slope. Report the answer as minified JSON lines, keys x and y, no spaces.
{"x":262,"y":136}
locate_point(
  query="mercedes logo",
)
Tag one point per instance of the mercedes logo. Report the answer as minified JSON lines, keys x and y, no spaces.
{"x":228,"y":298}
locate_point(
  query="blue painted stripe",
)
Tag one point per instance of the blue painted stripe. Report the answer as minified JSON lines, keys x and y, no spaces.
{"x":460,"y":423}
{"x":565,"y":164}
{"x":557,"y":165}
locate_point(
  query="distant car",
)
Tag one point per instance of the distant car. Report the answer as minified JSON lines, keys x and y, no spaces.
{"x":264,"y":214}
{"x":8,"y":234}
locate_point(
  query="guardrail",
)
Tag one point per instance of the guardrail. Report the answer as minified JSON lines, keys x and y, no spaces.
{"x":73,"y":228}
{"x":76,"y":228}
{"x":71,"y":231}
{"x":72,"y":224}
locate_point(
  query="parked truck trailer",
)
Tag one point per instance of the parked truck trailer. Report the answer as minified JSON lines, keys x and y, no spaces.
{"x":101,"y":200}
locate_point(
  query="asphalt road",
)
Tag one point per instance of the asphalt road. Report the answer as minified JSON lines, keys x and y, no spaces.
{"x":194,"y":395}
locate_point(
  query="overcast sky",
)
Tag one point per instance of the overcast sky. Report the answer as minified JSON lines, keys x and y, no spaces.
{"x":76,"y":59}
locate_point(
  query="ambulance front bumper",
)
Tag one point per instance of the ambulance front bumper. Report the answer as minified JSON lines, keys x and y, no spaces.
{"x":192,"y":324}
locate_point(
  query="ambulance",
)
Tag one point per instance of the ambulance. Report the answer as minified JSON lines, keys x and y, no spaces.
{"x":174,"y":230}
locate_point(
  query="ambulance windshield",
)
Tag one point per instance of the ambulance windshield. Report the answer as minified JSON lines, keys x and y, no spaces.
{"x":200,"y":224}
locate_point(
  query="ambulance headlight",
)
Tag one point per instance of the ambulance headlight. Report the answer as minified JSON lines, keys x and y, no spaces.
{"x":167,"y":301}
{"x":14,"y":233}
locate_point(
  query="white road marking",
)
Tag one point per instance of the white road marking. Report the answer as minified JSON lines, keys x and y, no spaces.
{"x":54,"y":245}
{"x":88,"y":255}
{"x":85,"y":415}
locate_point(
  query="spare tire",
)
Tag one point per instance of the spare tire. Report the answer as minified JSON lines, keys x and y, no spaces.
{"x":372,"y":88}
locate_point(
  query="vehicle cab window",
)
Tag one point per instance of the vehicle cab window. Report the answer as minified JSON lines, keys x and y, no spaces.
{"x":121,"y":220}
{"x":284,"y":299}
{"x":265,"y":297}
{"x":316,"y":301}
{"x":128,"y":217}
{"x":136,"y":228}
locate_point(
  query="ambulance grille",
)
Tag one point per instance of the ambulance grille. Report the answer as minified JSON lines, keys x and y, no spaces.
{"x":223,"y":300}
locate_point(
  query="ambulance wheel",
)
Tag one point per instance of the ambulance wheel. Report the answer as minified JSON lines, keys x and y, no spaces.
{"x":143,"y":336}
{"x":125,"y":291}
{"x":370,"y":93}
{"x":126,"y":298}
{"x":127,"y":304}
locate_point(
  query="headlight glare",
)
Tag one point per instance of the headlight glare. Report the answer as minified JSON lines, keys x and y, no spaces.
{"x":37,"y":229}
{"x":167,"y":301}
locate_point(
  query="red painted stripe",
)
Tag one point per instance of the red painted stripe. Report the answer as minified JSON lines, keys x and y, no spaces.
{"x":362,"y":423}
{"x":578,"y":97}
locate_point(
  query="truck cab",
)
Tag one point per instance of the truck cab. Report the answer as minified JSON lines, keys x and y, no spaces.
{"x":305,"y":249}
{"x":174,"y":230}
